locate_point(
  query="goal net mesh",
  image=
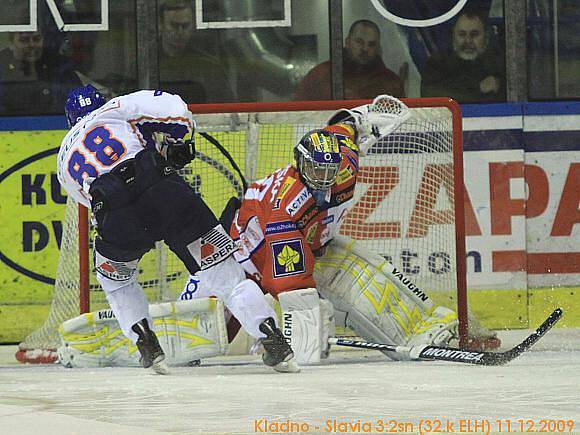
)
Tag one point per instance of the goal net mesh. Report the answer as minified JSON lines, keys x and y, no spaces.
{"x":404,"y":203}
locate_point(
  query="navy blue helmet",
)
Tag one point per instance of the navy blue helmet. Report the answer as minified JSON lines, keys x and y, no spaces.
{"x":81,"y":102}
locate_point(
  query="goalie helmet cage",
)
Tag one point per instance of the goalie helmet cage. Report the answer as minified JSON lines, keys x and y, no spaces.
{"x":408,"y":205}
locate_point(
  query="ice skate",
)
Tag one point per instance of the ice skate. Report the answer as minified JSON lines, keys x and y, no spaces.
{"x":278,"y":353}
{"x":152,"y":354}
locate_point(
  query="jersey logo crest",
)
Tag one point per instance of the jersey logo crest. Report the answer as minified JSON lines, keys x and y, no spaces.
{"x":288,"y":258}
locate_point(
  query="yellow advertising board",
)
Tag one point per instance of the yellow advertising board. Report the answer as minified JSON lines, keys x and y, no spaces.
{"x":32,"y":207}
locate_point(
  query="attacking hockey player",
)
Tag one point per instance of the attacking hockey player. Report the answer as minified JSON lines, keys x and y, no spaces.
{"x":120,"y":159}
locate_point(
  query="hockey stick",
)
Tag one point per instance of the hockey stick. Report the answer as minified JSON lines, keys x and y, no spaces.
{"x":437,"y":353}
{"x":227,"y":155}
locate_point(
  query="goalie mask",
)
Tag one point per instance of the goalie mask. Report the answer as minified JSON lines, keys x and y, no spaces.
{"x":318,"y":159}
{"x":81,"y":102}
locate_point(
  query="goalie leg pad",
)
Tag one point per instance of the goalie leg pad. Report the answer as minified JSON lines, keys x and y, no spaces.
{"x":381,"y":303}
{"x":328,"y":326}
{"x":187,"y":331}
{"x":302,"y":325}
{"x":369,"y":299}
{"x":438,"y":329}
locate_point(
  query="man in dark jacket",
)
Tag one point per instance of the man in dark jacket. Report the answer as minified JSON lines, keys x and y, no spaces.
{"x":364,"y":73}
{"x":33,"y":79}
{"x":187,"y":65}
{"x":473,"y":72}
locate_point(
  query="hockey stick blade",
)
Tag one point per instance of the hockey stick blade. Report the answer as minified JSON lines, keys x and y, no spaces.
{"x":437,"y":353}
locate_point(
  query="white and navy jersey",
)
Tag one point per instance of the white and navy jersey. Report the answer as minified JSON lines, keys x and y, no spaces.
{"x":115,"y":132}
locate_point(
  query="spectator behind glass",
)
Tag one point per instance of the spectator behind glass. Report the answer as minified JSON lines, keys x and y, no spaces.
{"x":33,"y":79}
{"x":184,"y":68}
{"x":364,"y":73}
{"x":568,"y":49}
{"x":473,"y":72}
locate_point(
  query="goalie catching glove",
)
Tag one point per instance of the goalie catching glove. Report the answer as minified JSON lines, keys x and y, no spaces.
{"x":373,"y":121}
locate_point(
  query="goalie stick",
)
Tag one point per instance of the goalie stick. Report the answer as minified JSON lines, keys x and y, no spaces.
{"x":437,"y":353}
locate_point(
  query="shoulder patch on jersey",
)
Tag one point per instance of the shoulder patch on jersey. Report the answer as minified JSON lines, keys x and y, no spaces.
{"x":307,"y":216}
{"x":344,"y":175}
{"x":298,"y":201}
{"x":287,"y":258}
{"x":311,"y":233}
{"x":288,"y":183}
{"x":342,"y":196}
{"x":280,"y":227}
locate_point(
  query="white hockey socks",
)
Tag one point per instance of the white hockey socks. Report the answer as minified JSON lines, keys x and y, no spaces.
{"x":128,"y":301}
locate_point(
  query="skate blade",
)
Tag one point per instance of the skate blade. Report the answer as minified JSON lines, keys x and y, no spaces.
{"x":160,"y":367}
{"x":287,"y":367}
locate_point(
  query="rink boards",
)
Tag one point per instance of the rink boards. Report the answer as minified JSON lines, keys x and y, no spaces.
{"x":522,"y":180}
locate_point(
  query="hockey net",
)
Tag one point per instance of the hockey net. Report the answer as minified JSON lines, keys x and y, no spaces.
{"x":407,"y":207}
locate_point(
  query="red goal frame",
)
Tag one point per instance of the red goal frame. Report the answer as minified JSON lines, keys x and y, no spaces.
{"x":459,"y":188}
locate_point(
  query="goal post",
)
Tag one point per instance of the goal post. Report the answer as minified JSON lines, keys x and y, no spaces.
{"x":408,"y":204}
{"x":449,"y":120}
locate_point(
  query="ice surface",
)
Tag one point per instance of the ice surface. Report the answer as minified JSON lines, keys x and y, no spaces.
{"x":227,"y":395}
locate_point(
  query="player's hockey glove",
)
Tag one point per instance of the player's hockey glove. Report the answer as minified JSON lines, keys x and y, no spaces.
{"x":181,"y":153}
{"x":177,"y":152}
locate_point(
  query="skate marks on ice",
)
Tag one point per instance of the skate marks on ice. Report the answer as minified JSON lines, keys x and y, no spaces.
{"x":220,"y":398}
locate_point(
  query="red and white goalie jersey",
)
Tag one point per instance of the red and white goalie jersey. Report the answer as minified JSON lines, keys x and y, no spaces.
{"x":280,"y":227}
{"x":116,"y":132}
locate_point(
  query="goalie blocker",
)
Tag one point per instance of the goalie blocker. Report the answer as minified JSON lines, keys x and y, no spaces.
{"x":307,"y":324}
